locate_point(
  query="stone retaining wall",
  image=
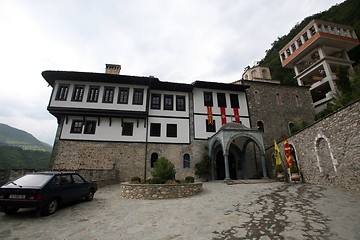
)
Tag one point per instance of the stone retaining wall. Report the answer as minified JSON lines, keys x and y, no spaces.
{"x":159,"y":191}
{"x":328,"y":152}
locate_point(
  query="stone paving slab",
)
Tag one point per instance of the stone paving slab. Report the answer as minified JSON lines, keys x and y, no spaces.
{"x":272,"y":210}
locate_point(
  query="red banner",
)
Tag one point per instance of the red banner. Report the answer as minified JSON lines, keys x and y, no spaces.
{"x":236,"y":114}
{"x":223,"y":115}
{"x":210,"y":116}
{"x":289,"y":160}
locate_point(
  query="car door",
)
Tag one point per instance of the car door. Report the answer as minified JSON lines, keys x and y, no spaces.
{"x":80,"y":186}
{"x":67,"y":189}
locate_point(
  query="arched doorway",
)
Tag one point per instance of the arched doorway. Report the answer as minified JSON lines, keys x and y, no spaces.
{"x":237,"y":152}
{"x":234,"y":159}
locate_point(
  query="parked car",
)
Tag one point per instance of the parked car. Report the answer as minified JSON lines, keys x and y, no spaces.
{"x":45,"y":191}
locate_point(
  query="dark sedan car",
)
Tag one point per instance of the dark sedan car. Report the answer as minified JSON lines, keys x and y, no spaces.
{"x":45,"y":191}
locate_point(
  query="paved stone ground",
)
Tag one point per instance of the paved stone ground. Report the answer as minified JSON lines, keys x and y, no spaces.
{"x":241,"y":211}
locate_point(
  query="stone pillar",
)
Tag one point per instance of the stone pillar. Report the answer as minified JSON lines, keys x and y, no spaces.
{"x":263,"y":164}
{"x":227,"y":172}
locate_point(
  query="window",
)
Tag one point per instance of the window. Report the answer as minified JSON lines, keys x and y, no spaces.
{"x":77,"y":179}
{"x":186,"y":160}
{"x":305,"y":36}
{"x":221,"y":99}
{"x":208,"y":99}
{"x":154,"y":157}
{"x":78,"y":93}
{"x":76,"y":126}
{"x":90,"y":127}
{"x":180,"y":103}
{"x":108,"y":96}
{"x":127,"y":128}
{"x":138,"y":96}
{"x":155,"y":129}
{"x":171,"y":130}
{"x":155,"y":101}
{"x":168,"y":102}
{"x":260,"y":126}
{"x":62,"y":92}
{"x":291,"y":128}
{"x":123,"y":95}
{"x":93,"y":94}
{"x":210,"y":127}
{"x":234,"y":101}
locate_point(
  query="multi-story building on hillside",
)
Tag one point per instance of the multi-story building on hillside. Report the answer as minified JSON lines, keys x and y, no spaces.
{"x":113,"y":121}
{"x":315,"y":54}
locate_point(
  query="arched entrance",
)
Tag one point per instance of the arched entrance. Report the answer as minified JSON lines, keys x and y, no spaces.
{"x":220,"y":166}
{"x":237,"y":152}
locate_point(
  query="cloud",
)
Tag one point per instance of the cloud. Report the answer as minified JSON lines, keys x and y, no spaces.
{"x":177,"y":41}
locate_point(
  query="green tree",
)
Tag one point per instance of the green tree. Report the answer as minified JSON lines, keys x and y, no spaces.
{"x":163,"y":169}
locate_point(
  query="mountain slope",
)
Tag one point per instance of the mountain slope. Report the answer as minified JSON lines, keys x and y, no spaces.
{"x":10,"y":136}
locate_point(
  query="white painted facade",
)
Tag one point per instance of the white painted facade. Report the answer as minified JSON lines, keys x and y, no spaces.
{"x":82,"y":119}
{"x":201,"y":115}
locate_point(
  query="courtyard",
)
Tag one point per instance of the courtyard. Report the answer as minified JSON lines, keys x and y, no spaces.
{"x":246,"y":210}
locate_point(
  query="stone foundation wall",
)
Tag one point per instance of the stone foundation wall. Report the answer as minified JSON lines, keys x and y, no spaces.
{"x":127,"y":159}
{"x":159,"y":191}
{"x":328,"y":152}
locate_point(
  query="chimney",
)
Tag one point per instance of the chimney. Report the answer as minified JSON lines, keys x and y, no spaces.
{"x":112,"y":69}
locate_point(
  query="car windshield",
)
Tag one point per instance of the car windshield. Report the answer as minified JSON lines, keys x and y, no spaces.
{"x":32,"y":180}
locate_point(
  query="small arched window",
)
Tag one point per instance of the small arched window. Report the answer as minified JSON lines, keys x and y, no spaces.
{"x":260,"y":126}
{"x":291,"y":128}
{"x":186,"y":160}
{"x":154,"y":157}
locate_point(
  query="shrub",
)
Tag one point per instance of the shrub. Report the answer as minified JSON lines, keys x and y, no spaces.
{"x":155,"y":180}
{"x":189,"y":179}
{"x":163,"y":169}
{"x":203,"y":167}
{"x":135,"y":180}
{"x":293,"y":168}
{"x":171,"y":181}
{"x":279,"y":168}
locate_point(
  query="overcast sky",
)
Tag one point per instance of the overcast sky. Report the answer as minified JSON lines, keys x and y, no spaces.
{"x":174,"y":40}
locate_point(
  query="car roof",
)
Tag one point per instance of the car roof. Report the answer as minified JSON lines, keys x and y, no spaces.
{"x":52,"y":172}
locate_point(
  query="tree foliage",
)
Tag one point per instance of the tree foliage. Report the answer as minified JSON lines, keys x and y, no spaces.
{"x":163,"y":169}
{"x":350,"y":91}
{"x":17,"y":158}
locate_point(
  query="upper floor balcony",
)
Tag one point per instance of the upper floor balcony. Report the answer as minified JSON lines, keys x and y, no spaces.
{"x":317,"y":33}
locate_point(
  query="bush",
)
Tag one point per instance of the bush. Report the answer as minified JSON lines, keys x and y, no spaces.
{"x":293,"y":168}
{"x":135,"y":180}
{"x":279,"y":168}
{"x":203,"y":167}
{"x":155,"y":180}
{"x":163,"y":169}
{"x":189,"y":179}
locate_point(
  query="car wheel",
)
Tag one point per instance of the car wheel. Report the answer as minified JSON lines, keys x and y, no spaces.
{"x":50,"y":207}
{"x":11,"y":210}
{"x":90,"y":196}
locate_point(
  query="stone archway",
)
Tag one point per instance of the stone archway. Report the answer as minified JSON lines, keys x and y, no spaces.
{"x":232,"y":140}
{"x":326,"y":162}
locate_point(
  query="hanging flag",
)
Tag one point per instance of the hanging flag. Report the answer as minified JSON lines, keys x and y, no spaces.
{"x":210,"y":116}
{"x":287,"y":153}
{"x":223,"y":115}
{"x":277,"y":154}
{"x":236,"y":114}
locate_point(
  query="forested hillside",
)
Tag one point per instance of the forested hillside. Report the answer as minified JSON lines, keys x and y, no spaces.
{"x":347,"y":13}
{"x":19,"y":149}
{"x":17,"y":158}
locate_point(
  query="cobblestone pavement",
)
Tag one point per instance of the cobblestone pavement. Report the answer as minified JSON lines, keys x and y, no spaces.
{"x":241,"y":211}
